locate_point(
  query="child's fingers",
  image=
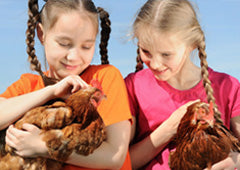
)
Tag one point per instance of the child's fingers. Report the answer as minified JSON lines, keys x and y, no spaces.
{"x":69,"y":85}
{"x":10,"y":138}
{"x":16,"y":132}
{"x":192,"y":102}
{"x":82,"y":82}
{"x":180,"y":112}
{"x":30,"y":128}
{"x":11,"y":130}
{"x":10,"y":142}
{"x":78,"y":84}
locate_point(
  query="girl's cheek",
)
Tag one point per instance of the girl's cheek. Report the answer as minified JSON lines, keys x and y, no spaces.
{"x":145,"y":59}
{"x":147,"y":63}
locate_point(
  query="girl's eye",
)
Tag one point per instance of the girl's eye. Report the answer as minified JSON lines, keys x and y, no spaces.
{"x":146,"y":53}
{"x":86,"y":47}
{"x":64,"y":44}
{"x":165,"y":54}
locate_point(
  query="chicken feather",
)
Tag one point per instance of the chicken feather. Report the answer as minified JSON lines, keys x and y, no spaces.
{"x":201,"y":141}
{"x":66,"y":126}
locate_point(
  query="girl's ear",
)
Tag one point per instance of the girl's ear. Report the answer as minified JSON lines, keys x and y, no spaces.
{"x":40,"y":32}
{"x":193,"y":47}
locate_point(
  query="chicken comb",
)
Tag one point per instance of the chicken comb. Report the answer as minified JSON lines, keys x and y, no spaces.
{"x":96,"y":83}
{"x":211,"y":108}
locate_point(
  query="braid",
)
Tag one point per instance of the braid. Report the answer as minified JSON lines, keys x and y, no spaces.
{"x":34,"y":18}
{"x":105,"y":34}
{"x":30,"y":33}
{"x":206,"y":81}
{"x":139,"y":65}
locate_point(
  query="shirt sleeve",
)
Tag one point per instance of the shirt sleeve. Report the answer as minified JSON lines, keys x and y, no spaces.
{"x":26,"y":84}
{"x":236,"y":100}
{"x":116,"y":107}
{"x":17,"y":88}
{"x":129,"y":81}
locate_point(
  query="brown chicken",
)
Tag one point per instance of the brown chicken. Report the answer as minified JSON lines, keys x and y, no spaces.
{"x":201,"y":141}
{"x":73,"y":125}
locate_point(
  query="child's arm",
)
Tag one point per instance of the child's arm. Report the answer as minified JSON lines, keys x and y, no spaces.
{"x":157,"y":140}
{"x":26,"y":142}
{"x":112,"y":153}
{"x":230,"y":163}
{"x":13,"y":108}
{"x":109,"y":155}
{"x":2,"y":99}
{"x":150,"y":146}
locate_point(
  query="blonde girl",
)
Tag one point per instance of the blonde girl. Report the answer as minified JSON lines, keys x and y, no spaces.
{"x":168,"y":32}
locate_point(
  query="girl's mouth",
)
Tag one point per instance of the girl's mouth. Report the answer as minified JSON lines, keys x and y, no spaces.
{"x":156,"y":72}
{"x":70,"y":67}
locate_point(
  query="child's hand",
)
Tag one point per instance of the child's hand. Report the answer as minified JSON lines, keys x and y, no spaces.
{"x":27,"y":142}
{"x":68,"y":85}
{"x":175,"y":118}
{"x":232,"y":162}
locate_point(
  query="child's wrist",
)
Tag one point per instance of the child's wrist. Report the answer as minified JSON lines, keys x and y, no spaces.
{"x":170,"y":127}
{"x":163,"y":134}
{"x":50,"y":91}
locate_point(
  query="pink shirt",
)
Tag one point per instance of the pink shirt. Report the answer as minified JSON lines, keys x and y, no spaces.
{"x":152,"y":102}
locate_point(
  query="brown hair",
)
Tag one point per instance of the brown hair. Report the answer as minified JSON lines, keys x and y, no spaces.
{"x":48,"y":17}
{"x":175,"y":16}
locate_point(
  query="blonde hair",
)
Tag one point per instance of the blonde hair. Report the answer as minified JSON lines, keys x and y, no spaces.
{"x":48,"y":16}
{"x":175,"y":16}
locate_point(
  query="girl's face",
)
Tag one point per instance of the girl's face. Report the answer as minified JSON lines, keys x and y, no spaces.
{"x":69,"y":44}
{"x":164,"y":54}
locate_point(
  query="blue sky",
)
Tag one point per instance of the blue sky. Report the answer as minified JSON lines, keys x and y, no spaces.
{"x":220,"y":20}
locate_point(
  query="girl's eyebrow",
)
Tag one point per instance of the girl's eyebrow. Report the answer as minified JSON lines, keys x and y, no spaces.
{"x":141,"y":46}
{"x":161,"y":52}
{"x":169,"y":52}
{"x":63,"y":38}
{"x":69,"y":39}
{"x":90,"y":40}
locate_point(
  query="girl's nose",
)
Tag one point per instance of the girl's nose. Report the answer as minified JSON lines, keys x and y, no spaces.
{"x":155,"y":63}
{"x":74,"y":54}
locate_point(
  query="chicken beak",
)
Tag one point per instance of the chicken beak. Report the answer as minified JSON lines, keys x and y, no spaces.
{"x":201,"y":115}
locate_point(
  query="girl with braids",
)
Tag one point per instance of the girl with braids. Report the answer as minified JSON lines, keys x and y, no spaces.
{"x":168,"y":32}
{"x":67,"y":29}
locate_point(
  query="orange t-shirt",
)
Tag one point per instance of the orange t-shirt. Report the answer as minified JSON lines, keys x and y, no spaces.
{"x":112,"y":110}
